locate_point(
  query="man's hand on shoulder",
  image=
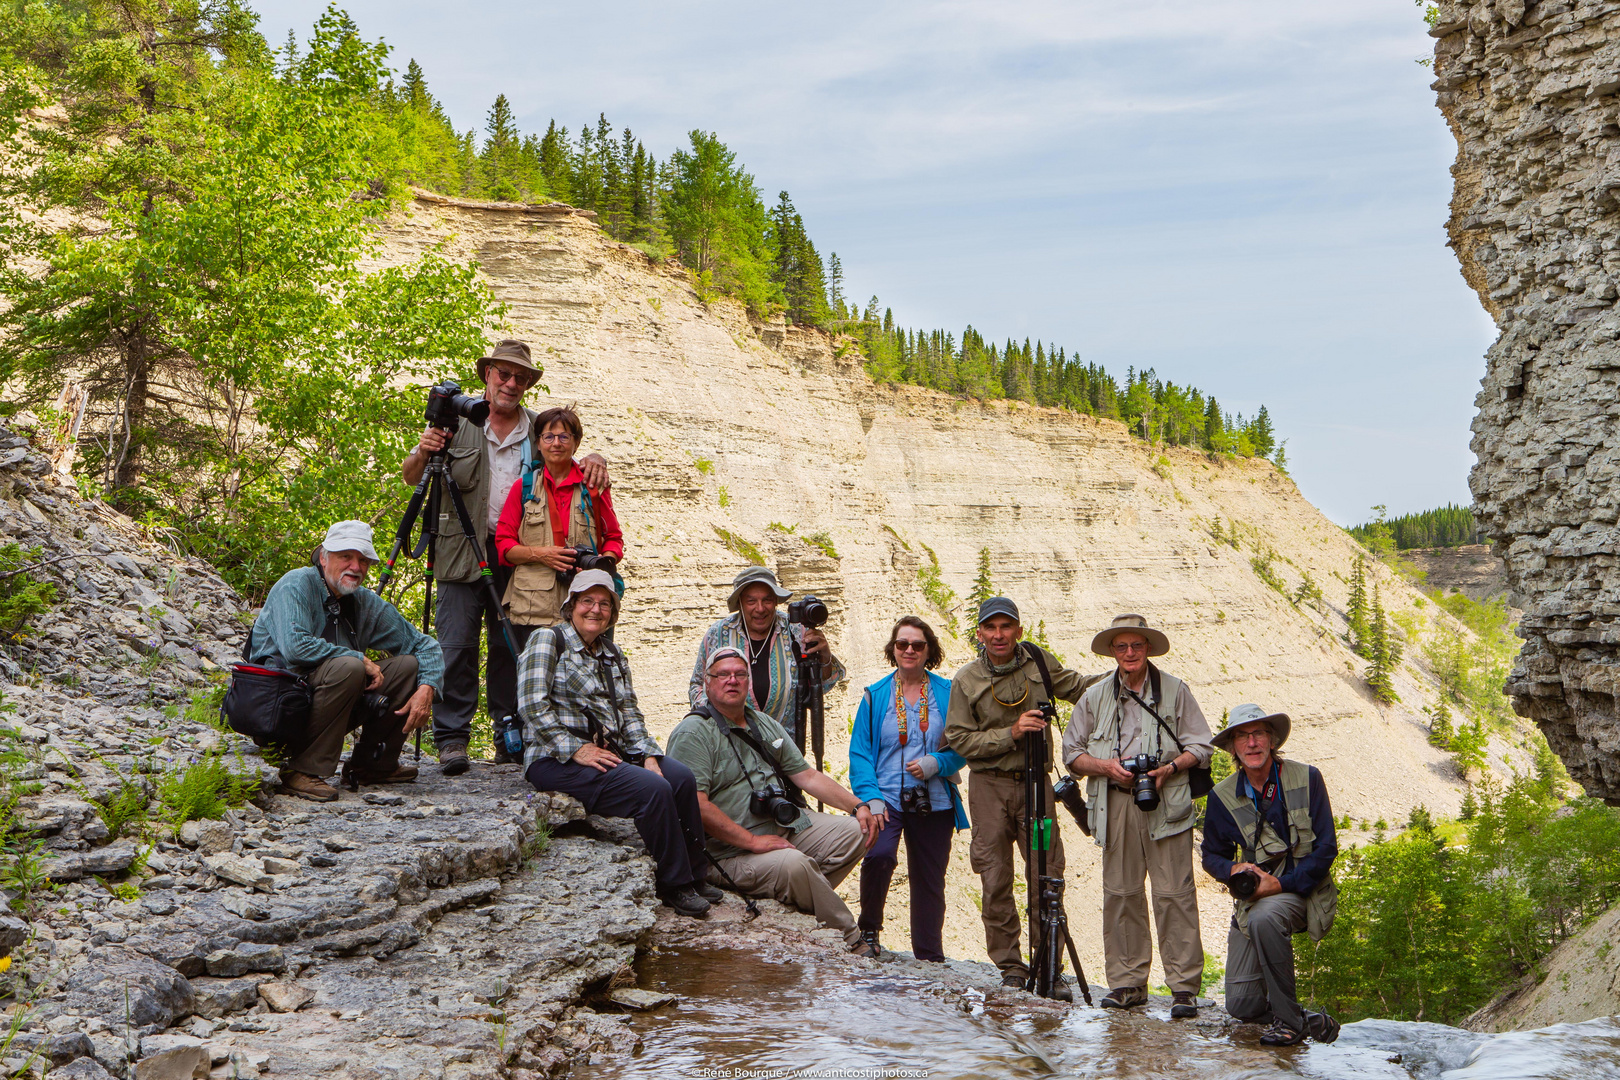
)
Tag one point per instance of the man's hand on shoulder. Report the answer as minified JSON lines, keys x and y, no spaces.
{"x":594,"y":467}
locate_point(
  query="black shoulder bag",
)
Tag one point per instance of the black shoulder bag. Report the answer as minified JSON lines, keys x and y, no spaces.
{"x":1199,"y":779}
{"x":268,"y":705}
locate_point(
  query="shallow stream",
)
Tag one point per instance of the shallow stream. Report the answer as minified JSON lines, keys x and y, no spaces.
{"x":743,"y":1015}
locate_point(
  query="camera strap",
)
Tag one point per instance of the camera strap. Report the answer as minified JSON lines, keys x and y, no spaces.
{"x":1199,"y":778}
{"x":749,"y":736}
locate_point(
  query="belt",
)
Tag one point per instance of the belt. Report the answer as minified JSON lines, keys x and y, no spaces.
{"x":1005,"y":774}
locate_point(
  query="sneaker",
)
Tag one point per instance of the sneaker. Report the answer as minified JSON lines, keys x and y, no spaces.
{"x":1280,"y":1034}
{"x":1183,"y":1006}
{"x":1014,"y":981}
{"x":308,"y":787}
{"x":708,"y":892}
{"x":685,"y":900}
{"x":1321,"y":1027}
{"x":453,"y":759}
{"x":1124,"y":997}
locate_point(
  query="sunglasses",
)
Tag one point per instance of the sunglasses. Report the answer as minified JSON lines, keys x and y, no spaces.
{"x":903,"y":645}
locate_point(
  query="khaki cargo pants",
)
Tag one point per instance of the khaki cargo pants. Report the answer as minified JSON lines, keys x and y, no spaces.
{"x":805,"y":875}
{"x":1130,"y":856}
{"x":996,"y":853}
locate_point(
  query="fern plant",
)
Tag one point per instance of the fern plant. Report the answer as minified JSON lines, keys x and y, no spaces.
{"x":204,"y":789}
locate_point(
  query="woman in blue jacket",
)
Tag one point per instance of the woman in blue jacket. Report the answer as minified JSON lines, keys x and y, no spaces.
{"x":899,"y":768}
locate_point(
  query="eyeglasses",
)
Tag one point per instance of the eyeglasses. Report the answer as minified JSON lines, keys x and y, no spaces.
{"x":522,"y":378}
{"x":902,"y":645}
{"x":593,"y":605}
{"x":557,"y":437}
{"x":1251,"y":736}
{"x":1130,"y":647}
{"x":729,"y":677}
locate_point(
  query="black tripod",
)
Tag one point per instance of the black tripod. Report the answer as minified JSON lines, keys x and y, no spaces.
{"x":809,"y":707}
{"x":1048,"y":923}
{"x":425,"y":504}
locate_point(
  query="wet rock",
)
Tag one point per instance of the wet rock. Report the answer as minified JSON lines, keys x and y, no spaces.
{"x":641,"y":1000}
{"x":120,"y":983}
{"x":245,"y":959}
{"x":285,"y":997}
{"x":181,"y":1063}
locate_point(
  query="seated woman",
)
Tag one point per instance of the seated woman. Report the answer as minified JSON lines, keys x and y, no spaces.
{"x":584,"y":735}
{"x":541,"y":528}
{"x":899,"y":769}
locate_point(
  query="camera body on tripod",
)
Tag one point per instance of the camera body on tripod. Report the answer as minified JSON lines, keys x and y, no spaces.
{"x":1144,"y":791}
{"x":808,"y":611}
{"x":447,"y":405}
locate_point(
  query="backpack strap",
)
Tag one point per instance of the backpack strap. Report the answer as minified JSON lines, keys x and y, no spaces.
{"x":531,"y":465}
{"x":1037,"y":654}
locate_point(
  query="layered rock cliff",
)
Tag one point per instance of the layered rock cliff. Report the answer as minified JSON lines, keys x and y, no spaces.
{"x":1532,"y":93}
{"x":724,"y":434}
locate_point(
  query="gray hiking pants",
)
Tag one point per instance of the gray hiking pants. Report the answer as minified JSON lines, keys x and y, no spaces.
{"x":1260,"y":967}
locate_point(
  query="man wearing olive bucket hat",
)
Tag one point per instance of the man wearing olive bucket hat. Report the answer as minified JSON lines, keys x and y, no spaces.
{"x":1275,"y":817}
{"x":1141,"y":738}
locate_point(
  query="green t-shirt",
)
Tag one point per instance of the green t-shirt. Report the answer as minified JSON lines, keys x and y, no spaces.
{"x":728,"y":774}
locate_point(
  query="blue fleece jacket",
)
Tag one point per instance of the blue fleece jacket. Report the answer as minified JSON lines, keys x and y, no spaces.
{"x":874,"y":721}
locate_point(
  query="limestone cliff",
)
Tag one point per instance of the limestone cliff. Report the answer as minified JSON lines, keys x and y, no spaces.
{"x":716,"y":429}
{"x":1529,"y":90}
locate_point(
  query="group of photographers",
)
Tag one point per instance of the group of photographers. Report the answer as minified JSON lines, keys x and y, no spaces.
{"x":728,"y":802}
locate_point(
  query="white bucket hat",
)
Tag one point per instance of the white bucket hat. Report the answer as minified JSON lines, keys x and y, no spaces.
{"x":1244,"y":716}
{"x":350,"y":536}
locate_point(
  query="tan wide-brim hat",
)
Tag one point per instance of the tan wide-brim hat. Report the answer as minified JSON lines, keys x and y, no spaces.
{"x":512,"y":351}
{"x":1103,"y":643}
{"x":1247,"y":716}
{"x":754,"y":575}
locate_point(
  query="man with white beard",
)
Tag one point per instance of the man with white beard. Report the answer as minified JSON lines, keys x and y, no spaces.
{"x":319,"y":622}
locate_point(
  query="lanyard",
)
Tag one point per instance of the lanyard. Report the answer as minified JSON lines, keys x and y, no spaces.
{"x":900,"y":712}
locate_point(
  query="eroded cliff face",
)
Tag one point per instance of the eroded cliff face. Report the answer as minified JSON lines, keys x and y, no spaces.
{"x":717,"y":428}
{"x":1530,"y":91}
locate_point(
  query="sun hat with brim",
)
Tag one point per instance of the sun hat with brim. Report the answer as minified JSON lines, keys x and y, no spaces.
{"x":1247,"y":716}
{"x":754,"y":575}
{"x":1103,"y":643}
{"x":997,"y":605}
{"x":350,"y":536}
{"x":512,"y":351}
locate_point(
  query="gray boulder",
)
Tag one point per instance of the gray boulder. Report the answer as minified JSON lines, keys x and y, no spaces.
{"x":120,"y":983}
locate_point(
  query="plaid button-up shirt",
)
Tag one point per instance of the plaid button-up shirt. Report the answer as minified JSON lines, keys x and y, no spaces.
{"x":558,"y":688}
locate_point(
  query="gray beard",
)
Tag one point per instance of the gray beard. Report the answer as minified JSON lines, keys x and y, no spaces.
{"x":342,"y":589}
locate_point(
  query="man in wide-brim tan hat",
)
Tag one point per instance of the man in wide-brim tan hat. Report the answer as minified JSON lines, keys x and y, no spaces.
{"x":485,"y":460}
{"x":1114,"y":722}
{"x":1269,"y":837}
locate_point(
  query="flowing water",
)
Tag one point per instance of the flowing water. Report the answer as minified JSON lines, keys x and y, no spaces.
{"x":741,"y":1015}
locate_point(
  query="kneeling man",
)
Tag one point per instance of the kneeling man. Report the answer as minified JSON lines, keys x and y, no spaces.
{"x":782,"y":851}
{"x":320,"y":622}
{"x":1274,"y":815}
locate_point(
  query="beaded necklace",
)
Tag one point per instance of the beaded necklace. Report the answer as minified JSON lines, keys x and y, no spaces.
{"x":900,"y":709}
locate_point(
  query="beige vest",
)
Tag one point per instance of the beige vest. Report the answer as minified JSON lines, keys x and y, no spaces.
{"x":534,"y":597}
{"x":1323,"y":904}
{"x":1176,"y":811}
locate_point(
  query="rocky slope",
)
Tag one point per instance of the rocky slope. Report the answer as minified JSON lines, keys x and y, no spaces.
{"x":1529,"y":90}
{"x":724,"y":434}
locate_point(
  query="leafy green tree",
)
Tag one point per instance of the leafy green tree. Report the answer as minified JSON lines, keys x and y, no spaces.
{"x":1440,"y":727}
{"x":718,"y":222}
{"x":1468,"y":748}
{"x":503,"y":153}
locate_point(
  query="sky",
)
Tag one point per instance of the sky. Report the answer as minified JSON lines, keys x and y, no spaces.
{"x":1246,"y":196}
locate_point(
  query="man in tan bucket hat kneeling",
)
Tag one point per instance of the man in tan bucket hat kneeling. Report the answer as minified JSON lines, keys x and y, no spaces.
{"x":1138,"y":711}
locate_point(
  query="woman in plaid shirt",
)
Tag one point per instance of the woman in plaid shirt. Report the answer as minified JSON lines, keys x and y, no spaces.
{"x":584,"y":735}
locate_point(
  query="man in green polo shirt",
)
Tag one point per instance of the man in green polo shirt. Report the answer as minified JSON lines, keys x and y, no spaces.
{"x":734,"y":750}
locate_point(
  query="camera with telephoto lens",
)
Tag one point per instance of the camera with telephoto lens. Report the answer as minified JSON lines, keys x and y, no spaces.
{"x":769,"y":802}
{"x":1143,"y":790}
{"x":914,"y":800}
{"x":585,"y":559}
{"x":1067,"y":792}
{"x":1243,"y":883}
{"x":809,"y":612}
{"x":446,"y":405}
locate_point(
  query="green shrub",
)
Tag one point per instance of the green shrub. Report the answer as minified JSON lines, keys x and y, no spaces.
{"x":124,"y":812}
{"x":934,"y":589}
{"x":22,"y":595}
{"x":205,"y":707}
{"x":204,"y":789}
{"x":822,"y":542}
{"x":739,"y":546}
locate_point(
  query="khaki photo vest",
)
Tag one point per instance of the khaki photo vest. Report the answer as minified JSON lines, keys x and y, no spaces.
{"x":1176,"y":810}
{"x":533,"y":596}
{"x":1272,"y":852}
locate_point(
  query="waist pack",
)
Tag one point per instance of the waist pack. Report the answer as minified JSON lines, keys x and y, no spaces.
{"x":268,"y":705}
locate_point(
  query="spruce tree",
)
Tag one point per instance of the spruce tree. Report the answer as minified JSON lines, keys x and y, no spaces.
{"x":1383,"y":652}
{"x":1261,"y":435}
{"x":983,"y":585}
{"x":499,"y":158}
{"x":1356,"y":610}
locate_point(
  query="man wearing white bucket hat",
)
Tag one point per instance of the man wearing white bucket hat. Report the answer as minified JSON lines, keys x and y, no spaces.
{"x":1141,"y":737}
{"x":320,"y":622}
{"x":1274,"y":816}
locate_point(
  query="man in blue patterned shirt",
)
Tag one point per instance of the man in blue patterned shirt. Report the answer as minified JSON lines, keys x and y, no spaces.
{"x":584,"y":736}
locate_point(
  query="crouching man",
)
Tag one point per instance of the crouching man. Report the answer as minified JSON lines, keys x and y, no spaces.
{"x":320,"y":622}
{"x":781,"y":850}
{"x":1273,"y":815}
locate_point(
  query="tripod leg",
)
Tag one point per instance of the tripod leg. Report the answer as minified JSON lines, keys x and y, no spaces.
{"x":818,"y":715}
{"x":1079,"y":971}
{"x":402,"y":536}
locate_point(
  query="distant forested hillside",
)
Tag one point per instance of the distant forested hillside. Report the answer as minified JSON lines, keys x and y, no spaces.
{"x":1448,"y":526}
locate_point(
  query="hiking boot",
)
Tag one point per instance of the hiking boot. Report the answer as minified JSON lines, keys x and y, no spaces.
{"x":1321,"y":1027}
{"x":1183,"y":1006}
{"x":708,"y":892}
{"x":1062,"y":991}
{"x":684,"y":900}
{"x":503,"y":758}
{"x":1280,"y":1034}
{"x":403,"y":774}
{"x":868,"y":946}
{"x":453,"y":759}
{"x":1014,"y":981}
{"x":1124,"y":997}
{"x":308,"y":787}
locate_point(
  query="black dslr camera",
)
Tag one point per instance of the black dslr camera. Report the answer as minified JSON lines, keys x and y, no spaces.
{"x":809,"y":611}
{"x":1143,"y":789}
{"x":1243,"y":883}
{"x":769,"y":802}
{"x":914,"y":800}
{"x":446,"y":404}
{"x":1067,"y":792}
{"x":371,"y":707}
{"x":585,"y":559}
